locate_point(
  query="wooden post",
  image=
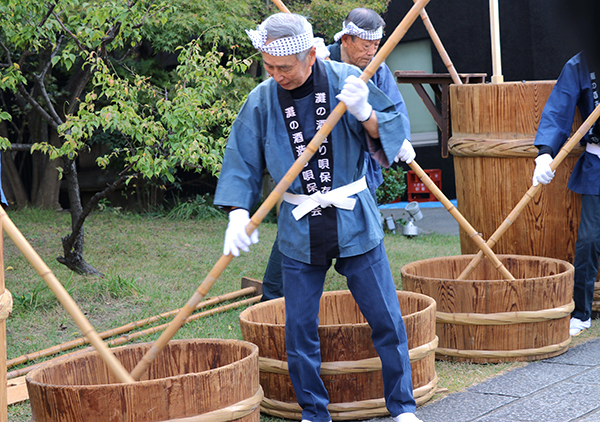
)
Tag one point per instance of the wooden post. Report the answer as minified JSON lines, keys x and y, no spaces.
{"x":497,"y":77}
{"x":3,"y":389}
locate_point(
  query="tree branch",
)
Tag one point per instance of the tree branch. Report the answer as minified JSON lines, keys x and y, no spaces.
{"x":50,"y":10}
{"x":81,"y":47}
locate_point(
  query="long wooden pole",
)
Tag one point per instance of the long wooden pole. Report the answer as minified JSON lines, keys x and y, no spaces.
{"x":497,"y":77}
{"x":473,"y":234}
{"x":278,"y":191}
{"x":64,"y":298}
{"x":123,"y":329}
{"x":281,"y":6}
{"x":3,"y":387}
{"x":562,"y":154}
{"x":440,"y":47}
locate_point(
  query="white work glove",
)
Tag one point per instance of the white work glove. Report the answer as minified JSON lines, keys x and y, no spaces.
{"x":235,"y":235}
{"x":543,"y":173}
{"x":322,"y":51}
{"x":355,"y":94}
{"x":407,"y":153}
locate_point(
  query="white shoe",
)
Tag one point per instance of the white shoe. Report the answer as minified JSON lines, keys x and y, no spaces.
{"x":576,"y":326}
{"x":406,"y":417}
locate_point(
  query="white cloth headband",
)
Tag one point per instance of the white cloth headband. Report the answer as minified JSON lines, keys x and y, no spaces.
{"x":282,"y":46}
{"x":352,"y":29}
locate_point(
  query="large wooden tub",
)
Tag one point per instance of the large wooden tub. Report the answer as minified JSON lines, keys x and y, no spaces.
{"x":217,"y":379}
{"x":351,"y":369}
{"x":487,"y":319}
{"x":493,"y":129}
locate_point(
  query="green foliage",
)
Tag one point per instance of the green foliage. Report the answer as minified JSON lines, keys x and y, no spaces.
{"x":186,"y":127}
{"x":393,"y":186}
{"x":198,"y":208}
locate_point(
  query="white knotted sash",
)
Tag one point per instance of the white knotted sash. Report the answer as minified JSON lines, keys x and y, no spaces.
{"x":338,"y":197}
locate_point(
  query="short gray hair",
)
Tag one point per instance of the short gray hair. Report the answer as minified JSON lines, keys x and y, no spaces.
{"x":283,"y":25}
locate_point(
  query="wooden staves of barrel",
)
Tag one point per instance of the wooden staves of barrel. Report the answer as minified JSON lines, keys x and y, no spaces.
{"x":351,"y":369}
{"x":487,"y":319}
{"x":196,"y":380}
{"x":493,"y":129}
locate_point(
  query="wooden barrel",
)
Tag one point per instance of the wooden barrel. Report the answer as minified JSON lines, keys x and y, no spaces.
{"x":351,"y":369}
{"x":486,"y":319}
{"x":199,"y":380}
{"x":493,"y":128}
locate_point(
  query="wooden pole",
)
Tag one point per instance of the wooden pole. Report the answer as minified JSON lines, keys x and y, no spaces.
{"x":278,"y":191}
{"x":3,"y":387}
{"x":124,"y":328}
{"x":497,"y":77}
{"x":64,"y":298}
{"x":281,"y":6}
{"x":473,"y":234}
{"x":440,"y":47}
{"x":564,"y":151}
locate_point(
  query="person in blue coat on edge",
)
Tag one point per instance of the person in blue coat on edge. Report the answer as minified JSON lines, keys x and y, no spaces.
{"x":576,"y":87}
{"x":328,"y":212}
{"x":355,"y":44}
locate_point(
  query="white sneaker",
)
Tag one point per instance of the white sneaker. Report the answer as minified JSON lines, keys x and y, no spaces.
{"x":406,"y":417}
{"x":577,"y":326}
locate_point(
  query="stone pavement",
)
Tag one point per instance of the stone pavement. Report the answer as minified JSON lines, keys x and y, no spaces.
{"x":560,"y":389}
{"x":436,"y":218}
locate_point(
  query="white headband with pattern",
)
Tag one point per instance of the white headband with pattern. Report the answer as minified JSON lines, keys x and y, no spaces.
{"x":282,"y":46}
{"x":352,"y":29}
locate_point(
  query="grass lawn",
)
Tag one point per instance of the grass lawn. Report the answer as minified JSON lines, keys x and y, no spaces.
{"x":153,"y":265}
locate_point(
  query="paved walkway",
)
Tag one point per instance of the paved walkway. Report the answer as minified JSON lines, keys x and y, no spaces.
{"x":561,"y":389}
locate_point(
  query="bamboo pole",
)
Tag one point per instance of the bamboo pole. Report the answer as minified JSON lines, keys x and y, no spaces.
{"x":562,"y":154}
{"x":281,"y":6}
{"x":3,"y":387}
{"x":64,"y":298}
{"x":278,"y":191}
{"x":440,"y":47}
{"x":473,"y":234}
{"x":497,"y":77}
{"x":127,"y":338}
{"x":123,"y":329}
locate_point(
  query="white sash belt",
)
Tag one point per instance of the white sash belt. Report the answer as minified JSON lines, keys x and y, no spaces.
{"x":338,"y":197}
{"x":593,"y":149}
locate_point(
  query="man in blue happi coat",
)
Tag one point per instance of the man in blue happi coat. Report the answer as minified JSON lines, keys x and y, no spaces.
{"x":355,"y":44}
{"x":328,"y":212}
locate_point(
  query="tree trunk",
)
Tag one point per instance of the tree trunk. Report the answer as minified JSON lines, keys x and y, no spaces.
{"x":48,"y":189}
{"x":73,"y":243}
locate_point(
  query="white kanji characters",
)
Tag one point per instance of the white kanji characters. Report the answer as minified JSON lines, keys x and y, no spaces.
{"x":308,"y":175}
{"x":300,"y":149}
{"x":290,"y":112}
{"x":316,"y":212}
{"x":320,"y":124}
{"x":325,"y":177}
{"x":320,"y":97}
{"x":323,"y":163}
{"x":298,"y":137}
{"x":311,"y":188}
{"x":320,"y":111}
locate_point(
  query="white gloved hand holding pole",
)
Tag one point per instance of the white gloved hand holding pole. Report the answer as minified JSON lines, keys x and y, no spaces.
{"x":407,"y":153}
{"x":355,"y":95}
{"x":236,"y":237}
{"x":543,"y":173}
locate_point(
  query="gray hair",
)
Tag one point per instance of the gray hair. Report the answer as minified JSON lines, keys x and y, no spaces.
{"x":283,"y":25}
{"x":364,"y":18}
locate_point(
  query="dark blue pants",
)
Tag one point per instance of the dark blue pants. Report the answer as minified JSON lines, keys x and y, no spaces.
{"x":273,"y":280}
{"x":587,"y":251}
{"x":370,"y":281}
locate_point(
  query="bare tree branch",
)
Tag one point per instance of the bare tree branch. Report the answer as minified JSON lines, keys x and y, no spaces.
{"x":81,"y":47}
{"x":50,"y":11}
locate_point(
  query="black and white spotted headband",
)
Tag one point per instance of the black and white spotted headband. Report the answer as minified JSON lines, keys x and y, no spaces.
{"x":352,"y":29}
{"x":282,"y":46}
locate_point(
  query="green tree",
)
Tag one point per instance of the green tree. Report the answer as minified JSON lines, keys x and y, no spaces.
{"x":54,"y":54}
